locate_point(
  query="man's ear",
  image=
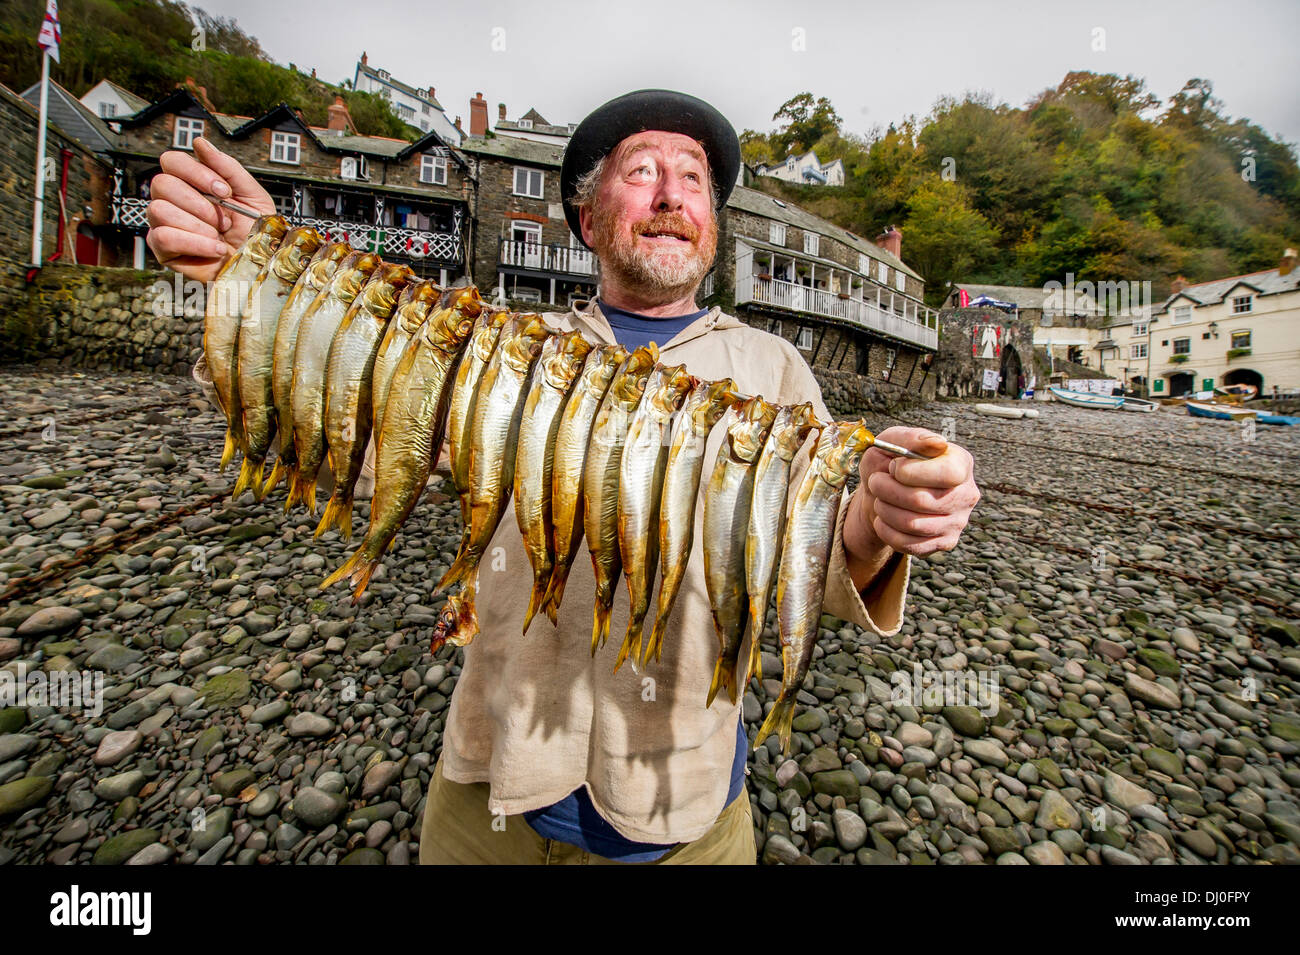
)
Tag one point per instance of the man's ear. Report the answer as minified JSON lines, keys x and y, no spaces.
{"x":586,"y":227}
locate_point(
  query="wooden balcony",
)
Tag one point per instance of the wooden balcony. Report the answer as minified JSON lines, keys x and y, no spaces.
{"x":547,"y":258}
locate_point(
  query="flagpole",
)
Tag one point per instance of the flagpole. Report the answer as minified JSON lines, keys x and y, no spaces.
{"x":38,"y":215}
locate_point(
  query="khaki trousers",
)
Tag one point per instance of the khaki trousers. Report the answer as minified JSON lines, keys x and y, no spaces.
{"x":459,"y":830}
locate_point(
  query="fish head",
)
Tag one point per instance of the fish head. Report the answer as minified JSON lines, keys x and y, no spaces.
{"x":352,"y":275}
{"x":446,"y":329}
{"x":464,"y":298}
{"x":295,"y":253}
{"x":265,"y":238}
{"x":841,"y":445}
{"x":600,"y":367}
{"x":486,"y":332}
{"x":709,"y":402}
{"x":455,"y":623}
{"x":414,"y":304}
{"x":379,"y":296}
{"x":672,"y":384}
{"x":748,"y":431}
{"x":522,"y":341}
{"x":791,"y":428}
{"x":562,"y":359}
{"x":630,"y":382}
{"x":324,"y":263}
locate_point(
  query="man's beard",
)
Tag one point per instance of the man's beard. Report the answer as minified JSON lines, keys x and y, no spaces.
{"x":657,"y":274}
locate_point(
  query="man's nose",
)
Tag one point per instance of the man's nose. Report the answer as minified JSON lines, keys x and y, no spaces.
{"x":669,"y":197}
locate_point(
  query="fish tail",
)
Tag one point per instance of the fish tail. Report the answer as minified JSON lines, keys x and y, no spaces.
{"x":599,"y":626}
{"x":724,"y":674}
{"x":631,"y":644}
{"x":654,"y":646}
{"x":459,"y":570}
{"x":756,"y":617}
{"x":228,"y":450}
{"x":540,"y":587}
{"x":348,"y":568}
{"x":282,"y":470}
{"x":778,"y":721}
{"x":250,"y":478}
{"x":338,"y":513}
{"x":555,"y":590}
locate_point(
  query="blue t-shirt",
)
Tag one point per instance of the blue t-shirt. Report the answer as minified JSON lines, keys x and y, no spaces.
{"x":574,"y":819}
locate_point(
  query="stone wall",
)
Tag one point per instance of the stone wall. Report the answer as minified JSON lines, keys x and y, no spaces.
{"x":959,"y":373}
{"x":91,"y":317}
{"x":88,"y":179}
{"x":849,"y":396}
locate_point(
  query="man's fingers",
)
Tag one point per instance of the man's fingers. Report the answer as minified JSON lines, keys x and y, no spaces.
{"x":199,"y":176}
{"x":950,"y":469}
{"x":910,"y":544}
{"x":234,"y":175}
{"x":162,"y":212}
{"x":170,"y":243}
{"x":923,"y":500}
{"x":911,"y":522}
{"x":184,"y":196}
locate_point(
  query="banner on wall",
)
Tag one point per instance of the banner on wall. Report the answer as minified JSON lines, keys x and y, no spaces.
{"x":986,"y":341}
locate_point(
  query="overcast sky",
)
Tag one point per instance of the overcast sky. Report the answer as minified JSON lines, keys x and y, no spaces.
{"x":876,"y":61}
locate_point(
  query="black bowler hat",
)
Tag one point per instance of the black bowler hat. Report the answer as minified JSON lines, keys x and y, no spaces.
{"x":672,"y":112}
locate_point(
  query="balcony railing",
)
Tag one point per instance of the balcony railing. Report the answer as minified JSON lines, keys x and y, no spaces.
{"x":387,"y":240}
{"x":547,"y":258}
{"x":130,"y":212}
{"x":886,"y":313}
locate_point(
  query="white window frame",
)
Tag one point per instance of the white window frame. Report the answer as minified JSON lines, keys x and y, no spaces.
{"x":882,"y":273}
{"x":864,"y":263}
{"x":776,"y":233}
{"x":284,"y":144}
{"x":1242,"y":304}
{"x":525,"y":124}
{"x":900,"y":281}
{"x":1140,"y":328}
{"x":811,"y":243}
{"x":532,"y":229}
{"x":433,"y":170}
{"x":1138,"y":351}
{"x":107,"y":110}
{"x":1181,"y":315}
{"x":528,"y":175}
{"x":805,"y":342}
{"x":187,"y":130}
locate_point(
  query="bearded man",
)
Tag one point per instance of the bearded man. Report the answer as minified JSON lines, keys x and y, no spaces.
{"x":548,"y":756}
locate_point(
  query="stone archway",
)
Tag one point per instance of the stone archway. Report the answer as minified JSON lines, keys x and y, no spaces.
{"x":1011,"y":369}
{"x":1245,"y":376}
{"x":1181,"y":383}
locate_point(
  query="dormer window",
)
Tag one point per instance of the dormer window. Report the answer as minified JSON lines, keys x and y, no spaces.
{"x":1182,"y":314}
{"x":1241,"y":304}
{"x":383,"y":74}
{"x":286,"y":148}
{"x":525,"y":124}
{"x":433,"y":170}
{"x":187,"y":130}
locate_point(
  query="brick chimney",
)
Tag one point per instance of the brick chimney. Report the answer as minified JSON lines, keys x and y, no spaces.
{"x":363,"y":57}
{"x":501,"y":112}
{"x":433,"y":93}
{"x":457,"y":124}
{"x":313,"y":72}
{"x":1177,"y":285}
{"x":891,"y":240}
{"x":1287,"y":263}
{"x":340,"y":121}
{"x":200,"y":93}
{"x":478,"y":122}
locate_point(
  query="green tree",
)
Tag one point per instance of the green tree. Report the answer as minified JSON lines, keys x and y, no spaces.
{"x":806,"y":121}
{"x":945,"y":239}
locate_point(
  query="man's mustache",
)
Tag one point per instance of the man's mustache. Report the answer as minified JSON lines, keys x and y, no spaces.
{"x":667,"y":223}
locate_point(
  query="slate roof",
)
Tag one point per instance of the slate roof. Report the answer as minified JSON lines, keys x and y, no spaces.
{"x":71,"y":115}
{"x":1270,"y":282}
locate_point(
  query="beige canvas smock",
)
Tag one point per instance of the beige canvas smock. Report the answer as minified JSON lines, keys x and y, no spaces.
{"x":536,"y":717}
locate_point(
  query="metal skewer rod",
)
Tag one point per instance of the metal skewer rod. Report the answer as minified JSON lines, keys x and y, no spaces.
{"x":233,"y":207}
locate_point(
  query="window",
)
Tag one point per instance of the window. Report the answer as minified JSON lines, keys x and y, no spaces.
{"x":1241,"y":339}
{"x":1182,"y":346}
{"x":789,"y":163}
{"x":521,"y":230}
{"x":776,"y":233}
{"x":107,"y":110}
{"x":424,"y":108}
{"x":187,"y":130}
{"x":776,"y":328}
{"x":882,"y":273}
{"x":433,"y":169}
{"x":811,"y":242}
{"x":805,"y":339}
{"x":285,"y":147}
{"x":1138,"y":351}
{"x":900,"y":281}
{"x":354,"y":167}
{"x":383,"y":74}
{"x":1182,"y":314}
{"x":406,"y":113}
{"x":1241,"y":305}
{"x":1139,"y":328}
{"x":525,"y":124}
{"x":864,"y":263}
{"x":528,"y":182}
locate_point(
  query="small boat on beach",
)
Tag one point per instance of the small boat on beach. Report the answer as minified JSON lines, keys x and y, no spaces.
{"x":1081,"y":399}
{"x":1203,"y":409}
{"x":1139,"y":404}
{"x":1005,"y":411}
{"x":1282,"y":419}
